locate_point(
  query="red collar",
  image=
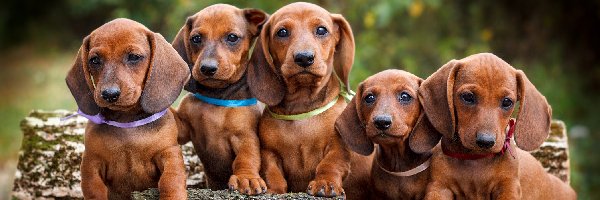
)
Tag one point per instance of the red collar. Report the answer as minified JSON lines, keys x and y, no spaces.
{"x":467,"y":156}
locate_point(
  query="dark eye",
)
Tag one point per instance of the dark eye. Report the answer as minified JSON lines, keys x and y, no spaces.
{"x":232,"y":38}
{"x":196,"y":39}
{"x":404,"y":97}
{"x":507,"y":103}
{"x":94,"y":60}
{"x":468,"y":98}
{"x":283,"y":33}
{"x":370,"y":98}
{"x":321,"y":31}
{"x":133,"y":58}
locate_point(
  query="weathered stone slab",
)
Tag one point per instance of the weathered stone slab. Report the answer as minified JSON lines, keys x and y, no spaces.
{"x":49,"y":161}
{"x":51,"y":153}
{"x":225,"y":195}
{"x":554,"y":153}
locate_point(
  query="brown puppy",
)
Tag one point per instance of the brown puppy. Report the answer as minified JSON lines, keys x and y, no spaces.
{"x":124,"y":79}
{"x":385,"y":111}
{"x":293,"y":71}
{"x":220,"y":115}
{"x":468,"y":104}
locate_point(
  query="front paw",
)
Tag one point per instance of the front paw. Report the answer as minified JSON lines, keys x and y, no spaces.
{"x":247,"y":184}
{"x":325,"y":188}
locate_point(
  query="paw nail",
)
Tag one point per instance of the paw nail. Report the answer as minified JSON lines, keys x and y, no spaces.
{"x":321,"y":192}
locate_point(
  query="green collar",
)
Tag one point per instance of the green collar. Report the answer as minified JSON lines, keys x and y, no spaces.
{"x":346,"y":95}
{"x":305,"y":115}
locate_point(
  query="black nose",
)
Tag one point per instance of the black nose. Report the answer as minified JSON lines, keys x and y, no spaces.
{"x":382,"y":122}
{"x":304,"y":59}
{"x":485,"y":140}
{"x":208,"y":69}
{"x":111,"y":94}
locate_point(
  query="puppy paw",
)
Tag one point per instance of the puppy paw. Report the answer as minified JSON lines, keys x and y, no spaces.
{"x":325,"y":188}
{"x":247,"y":184}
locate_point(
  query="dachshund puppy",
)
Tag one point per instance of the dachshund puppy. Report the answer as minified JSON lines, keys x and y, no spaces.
{"x":124,"y":79}
{"x":468,"y":104}
{"x":384,"y":112}
{"x":299,"y":69}
{"x":220,"y":113}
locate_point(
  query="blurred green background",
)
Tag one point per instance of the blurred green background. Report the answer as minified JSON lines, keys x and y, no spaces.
{"x":556,"y":43}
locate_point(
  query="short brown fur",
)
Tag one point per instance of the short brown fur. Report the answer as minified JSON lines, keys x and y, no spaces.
{"x":225,"y":138}
{"x":452,"y":116}
{"x":118,"y":161}
{"x":360,"y":125}
{"x":305,"y":155}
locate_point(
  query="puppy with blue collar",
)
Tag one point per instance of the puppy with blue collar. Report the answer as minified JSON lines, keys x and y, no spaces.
{"x":220,"y":115}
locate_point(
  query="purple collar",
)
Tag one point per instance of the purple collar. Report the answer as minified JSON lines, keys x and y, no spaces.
{"x":99,"y":119}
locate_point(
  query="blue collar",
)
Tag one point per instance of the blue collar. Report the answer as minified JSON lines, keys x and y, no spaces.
{"x":226,"y":103}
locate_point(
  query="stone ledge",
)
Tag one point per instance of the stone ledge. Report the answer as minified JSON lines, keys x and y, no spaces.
{"x":225,"y":195}
{"x":50,"y":155}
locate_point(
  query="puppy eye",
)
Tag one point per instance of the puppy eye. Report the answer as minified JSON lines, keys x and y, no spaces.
{"x":404,"y":97}
{"x":94,"y":60}
{"x":232,"y":38}
{"x":196,"y":39}
{"x":133,"y":58}
{"x":321,"y":31}
{"x":283,"y":33}
{"x":468,"y":98}
{"x":370,"y":98}
{"x":507,"y":103}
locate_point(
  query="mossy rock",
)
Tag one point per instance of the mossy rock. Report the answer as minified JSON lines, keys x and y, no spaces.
{"x":51,"y":154}
{"x":224,"y":195}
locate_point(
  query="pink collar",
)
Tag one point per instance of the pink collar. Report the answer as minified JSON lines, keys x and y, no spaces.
{"x":418,"y":169}
{"x":467,"y":156}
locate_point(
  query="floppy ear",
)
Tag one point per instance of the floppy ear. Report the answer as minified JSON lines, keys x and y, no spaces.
{"x":344,"y":50}
{"x":435,"y":95}
{"x":256,"y":18}
{"x":182,"y":46}
{"x":351,"y":128}
{"x":79,"y":83}
{"x":424,"y":136}
{"x":265,"y":84}
{"x":166,"y":75}
{"x":533,"y":120}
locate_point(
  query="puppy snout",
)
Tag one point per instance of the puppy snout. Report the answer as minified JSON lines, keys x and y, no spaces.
{"x":382,"y":122}
{"x":111,"y":95}
{"x":209,"y":68}
{"x":485,"y":140}
{"x":304,"y":59}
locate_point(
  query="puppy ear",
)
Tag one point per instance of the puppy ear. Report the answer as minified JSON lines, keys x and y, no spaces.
{"x":533,"y":120}
{"x":256,"y":18}
{"x":182,"y":46}
{"x":351,"y":128}
{"x":80,"y":83}
{"x":344,"y":50}
{"x":166,"y":75}
{"x":264,"y":82}
{"x":424,"y":136}
{"x":435,"y":95}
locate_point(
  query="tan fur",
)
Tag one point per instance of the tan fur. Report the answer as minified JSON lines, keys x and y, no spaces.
{"x":225,"y":138}
{"x":458,"y":123}
{"x":357,"y":126}
{"x":118,"y":161}
{"x":305,"y":155}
